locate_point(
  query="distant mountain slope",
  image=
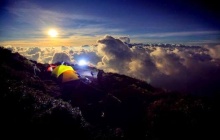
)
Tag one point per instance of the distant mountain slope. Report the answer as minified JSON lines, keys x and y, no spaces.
{"x":115,"y":107}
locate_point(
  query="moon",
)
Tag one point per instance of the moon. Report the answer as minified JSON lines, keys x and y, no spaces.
{"x":52,"y":33}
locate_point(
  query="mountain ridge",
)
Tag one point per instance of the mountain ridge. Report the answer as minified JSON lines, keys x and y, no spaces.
{"x":121,"y":108}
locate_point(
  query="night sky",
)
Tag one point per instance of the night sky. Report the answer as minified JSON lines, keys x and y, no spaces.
{"x":82,"y":22}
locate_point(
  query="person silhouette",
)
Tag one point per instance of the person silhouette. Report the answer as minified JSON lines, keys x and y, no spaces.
{"x":36,"y":69}
{"x":92,"y":73}
{"x":99,"y":76}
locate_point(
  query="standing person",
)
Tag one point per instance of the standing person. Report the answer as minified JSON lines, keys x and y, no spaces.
{"x":36,"y":69}
{"x":99,"y":76}
{"x":92,"y":73}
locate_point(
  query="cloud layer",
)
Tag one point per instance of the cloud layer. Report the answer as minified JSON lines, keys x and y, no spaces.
{"x":185,"y":69}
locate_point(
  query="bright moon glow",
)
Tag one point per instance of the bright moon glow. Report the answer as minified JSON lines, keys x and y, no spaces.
{"x":52,"y":33}
{"x":82,"y":62}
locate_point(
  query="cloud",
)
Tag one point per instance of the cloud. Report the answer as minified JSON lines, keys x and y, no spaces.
{"x":35,"y":14}
{"x":33,"y":50}
{"x":171,"y":34}
{"x":61,"y":57}
{"x":181,"y":68}
{"x":115,"y":54}
{"x":166,"y":61}
{"x":90,"y":57}
{"x":34,"y":57}
{"x":185,"y":69}
{"x":125,"y":39}
{"x":214,"y":51}
{"x":141,"y":65}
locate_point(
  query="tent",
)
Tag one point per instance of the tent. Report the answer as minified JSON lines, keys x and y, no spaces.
{"x":65,"y":73}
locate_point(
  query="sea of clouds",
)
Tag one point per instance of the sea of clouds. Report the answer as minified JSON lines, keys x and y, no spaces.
{"x":189,"y":69}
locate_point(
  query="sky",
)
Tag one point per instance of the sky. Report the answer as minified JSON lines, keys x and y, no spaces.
{"x":26,"y":23}
{"x":108,"y":34}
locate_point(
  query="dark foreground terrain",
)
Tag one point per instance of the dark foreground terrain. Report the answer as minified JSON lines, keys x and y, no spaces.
{"x":117,"y":107}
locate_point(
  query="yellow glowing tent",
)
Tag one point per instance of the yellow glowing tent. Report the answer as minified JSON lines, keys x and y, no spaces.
{"x":65,"y":73}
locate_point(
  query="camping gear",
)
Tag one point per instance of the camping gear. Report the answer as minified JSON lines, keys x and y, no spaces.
{"x":51,"y":67}
{"x":65,"y":73}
